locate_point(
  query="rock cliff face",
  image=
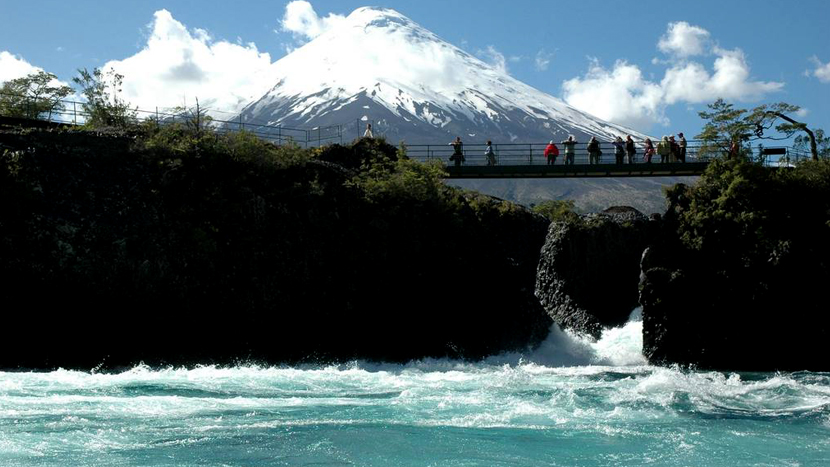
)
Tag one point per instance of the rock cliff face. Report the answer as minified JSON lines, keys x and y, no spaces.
{"x":114,"y":251}
{"x":589,"y":269}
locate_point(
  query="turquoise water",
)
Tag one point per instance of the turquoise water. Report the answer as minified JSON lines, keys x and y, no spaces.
{"x":573,"y":402}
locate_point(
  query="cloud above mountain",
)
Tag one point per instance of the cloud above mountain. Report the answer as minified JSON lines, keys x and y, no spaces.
{"x":178,"y":65}
{"x":301,"y":19}
{"x":625,"y":96}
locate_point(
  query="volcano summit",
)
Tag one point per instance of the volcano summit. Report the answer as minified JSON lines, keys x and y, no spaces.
{"x":380,"y":66}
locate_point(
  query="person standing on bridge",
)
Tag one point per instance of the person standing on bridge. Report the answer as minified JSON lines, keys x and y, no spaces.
{"x":368,"y":132}
{"x":489,"y":154}
{"x":649,"y":153}
{"x":619,"y":150}
{"x":630,"y":149}
{"x":663,"y":149}
{"x":457,"y":151}
{"x":682,"y":154}
{"x":594,"y":152}
{"x":551,"y":151}
{"x":569,"y":145}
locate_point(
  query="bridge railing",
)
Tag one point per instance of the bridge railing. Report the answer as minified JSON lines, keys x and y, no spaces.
{"x":532,"y":154}
{"x":68,"y":112}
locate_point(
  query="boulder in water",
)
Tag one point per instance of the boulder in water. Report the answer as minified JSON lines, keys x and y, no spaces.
{"x":589,"y":269}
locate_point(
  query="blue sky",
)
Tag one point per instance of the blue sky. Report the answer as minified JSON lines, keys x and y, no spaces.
{"x":651,"y":65}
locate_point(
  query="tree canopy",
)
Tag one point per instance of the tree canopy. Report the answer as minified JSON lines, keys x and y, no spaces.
{"x":726,"y":124}
{"x":37,"y":95}
{"x":104,"y":106}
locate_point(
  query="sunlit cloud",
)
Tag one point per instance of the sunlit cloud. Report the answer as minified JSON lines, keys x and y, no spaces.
{"x":623,"y":95}
{"x":301,"y":19}
{"x":13,"y":67}
{"x":684,"y":40}
{"x":821,"y":70}
{"x":177,"y":65}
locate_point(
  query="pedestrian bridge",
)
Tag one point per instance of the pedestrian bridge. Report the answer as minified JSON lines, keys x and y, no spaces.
{"x":528,"y":161}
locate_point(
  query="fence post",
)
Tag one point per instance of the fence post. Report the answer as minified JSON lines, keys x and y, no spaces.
{"x":74,"y":114}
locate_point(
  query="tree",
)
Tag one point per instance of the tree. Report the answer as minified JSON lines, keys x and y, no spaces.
{"x":727,"y":124}
{"x":765,"y":117}
{"x":103,"y":106}
{"x":37,"y":95}
{"x":803,"y":143}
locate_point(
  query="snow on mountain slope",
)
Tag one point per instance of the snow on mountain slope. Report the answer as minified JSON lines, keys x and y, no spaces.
{"x":380,"y":66}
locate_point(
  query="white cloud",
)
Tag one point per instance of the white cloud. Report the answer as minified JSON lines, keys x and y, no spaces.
{"x":178,"y":65}
{"x":301,"y":19}
{"x":821,"y":71}
{"x":802,"y":112}
{"x":494,"y":58}
{"x":684,"y":40}
{"x":542,"y":61}
{"x":13,"y":67}
{"x":622,"y":95}
{"x":690,"y":82}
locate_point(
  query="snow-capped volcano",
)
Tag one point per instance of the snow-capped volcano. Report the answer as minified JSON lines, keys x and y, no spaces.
{"x":380,"y":66}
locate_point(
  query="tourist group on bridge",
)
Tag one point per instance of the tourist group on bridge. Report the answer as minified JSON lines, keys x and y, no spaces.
{"x":668,"y":149}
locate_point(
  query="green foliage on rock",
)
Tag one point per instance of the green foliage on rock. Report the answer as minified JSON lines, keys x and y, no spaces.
{"x":750,"y":213}
{"x":557,"y":210}
{"x":742,"y":255}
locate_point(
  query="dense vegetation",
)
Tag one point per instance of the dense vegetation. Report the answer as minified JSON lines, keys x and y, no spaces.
{"x":736,"y":279}
{"x":180,"y":244}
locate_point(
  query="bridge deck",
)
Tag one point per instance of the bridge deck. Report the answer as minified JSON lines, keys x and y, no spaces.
{"x":578,"y":170}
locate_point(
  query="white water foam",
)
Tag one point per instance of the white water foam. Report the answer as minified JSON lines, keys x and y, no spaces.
{"x":622,"y":346}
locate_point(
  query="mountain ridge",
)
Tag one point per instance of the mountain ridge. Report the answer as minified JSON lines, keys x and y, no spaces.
{"x":378,"y":65}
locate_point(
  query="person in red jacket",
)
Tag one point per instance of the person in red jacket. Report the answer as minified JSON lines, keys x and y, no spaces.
{"x":551,"y":151}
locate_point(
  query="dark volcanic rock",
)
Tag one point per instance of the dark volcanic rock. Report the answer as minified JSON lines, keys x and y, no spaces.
{"x":589,"y":269}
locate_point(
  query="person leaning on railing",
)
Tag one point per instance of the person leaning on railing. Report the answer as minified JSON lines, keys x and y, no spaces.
{"x":594,"y":153}
{"x":649,"y":151}
{"x":619,"y":150}
{"x":489,"y":154}
{"x":682,"y":143}
{"x":551,"y":151}
{"x":664,"y":149}
{"x":569,"y":145}
{"x":630,"y":149}
{"x":458,"y":151}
